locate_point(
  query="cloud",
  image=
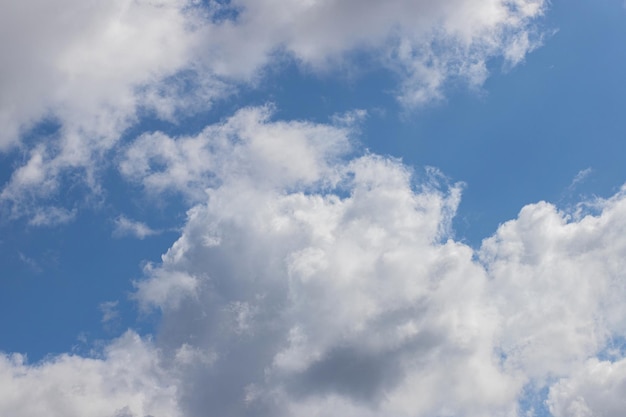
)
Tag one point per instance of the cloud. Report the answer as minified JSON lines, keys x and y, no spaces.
{"x":80,"y":74}
{"x":558,"y":281}
{"x":310,"y":278}
{"x":32,"y":264}
{"x":166,"y":288}
{"x":109,"y":311}
{"x":126,"y":381}
{"x":51,"y":216}
{"x":313,"y":279}
{"x":90,"y":71}
{"x":335,"y":287}
{"x":127,"y":227}
{"x":284,"y":154}
{"x":310,"y":297}
{"x":426,"y":42}
{"x":81,"y":58}
{"x":596,"y":389}
{"x":581,"y":176}
{"x":323,"y":287}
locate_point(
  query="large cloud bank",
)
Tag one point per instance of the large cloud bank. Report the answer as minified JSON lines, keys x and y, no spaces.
{"x":331,"y":285}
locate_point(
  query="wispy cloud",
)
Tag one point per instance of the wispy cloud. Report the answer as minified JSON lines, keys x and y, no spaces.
{"x":109,"y":311}
{"x":581,"y":176}
{"x":352,"y":281}
{"x":30,"y":262}
{"x":52,"y":216}
{"x":123,"y":226}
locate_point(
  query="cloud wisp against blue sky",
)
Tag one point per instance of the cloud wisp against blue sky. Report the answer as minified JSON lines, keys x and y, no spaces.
{"x":312,"y":208}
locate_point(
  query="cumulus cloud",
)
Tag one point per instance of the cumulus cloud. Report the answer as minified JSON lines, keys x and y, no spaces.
{"x":319,"y":285}
{"x":126,"y":381}
{"x":559,"y":283}
{"x":597,"y":389}
{"x":310,"y":278}
{"x":313,"y":279}
{"x":338,"y":289}
{"x":92,"y":70}
{"x":242,"y":148}
{"x":80,"y":61}
{"x":426,"y":42}
{"x":314,"y":303}
{"x":81,"y":70}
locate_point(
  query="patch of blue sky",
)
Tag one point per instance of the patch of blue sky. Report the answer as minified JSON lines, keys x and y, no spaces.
{"x":222,"y":10}
{"x":614,"y":349}
{"x":57,"y":278}
{"x":533,"y":402}
{"x":533,"y":128}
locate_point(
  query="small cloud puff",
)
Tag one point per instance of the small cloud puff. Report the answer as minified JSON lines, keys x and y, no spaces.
{"x":127,"y":227}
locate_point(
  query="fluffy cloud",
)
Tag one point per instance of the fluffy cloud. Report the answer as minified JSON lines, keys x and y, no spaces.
{"x":334,"y":287}
{"x":126,"y":382}
{"x":559,"y":282}
{"x":311,"y":279}
{"x":80,"y":61}
{"x":90,"y":70}
{"x":243,"y":148}
{"x":598,"y":389}
{"x":427,"y":42}
{"x":83,"y":68}
{"x":323,"y":287}
{"x":314,"y":303}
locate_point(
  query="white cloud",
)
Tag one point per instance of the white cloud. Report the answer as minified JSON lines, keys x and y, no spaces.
{"x":127,"y":381}
{"x":127,"y":227}
{"x":597,"y":389}
{"x":109,"y":311}
{"x":427,"y":42}
{"x":166,"y":288}
{"x":336,"y":289}
{"x":310,"y":282}
{"x":80,"y":61}
{"x":242,"y":148}
{"x":302,"y":284}
{"x":51,"y":216}
{"x":581,"y":176}
{"x":322,"y":286}
{"x":85,"y":66}
{"x":559,"y":283}
{"x":310,"y":297}
{"x":93,"y":68}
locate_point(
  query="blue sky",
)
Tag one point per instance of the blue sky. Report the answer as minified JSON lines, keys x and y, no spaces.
{"x":313,"y":208}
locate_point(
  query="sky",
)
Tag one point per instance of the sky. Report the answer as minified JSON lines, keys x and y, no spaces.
{"x":409,"y":208}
